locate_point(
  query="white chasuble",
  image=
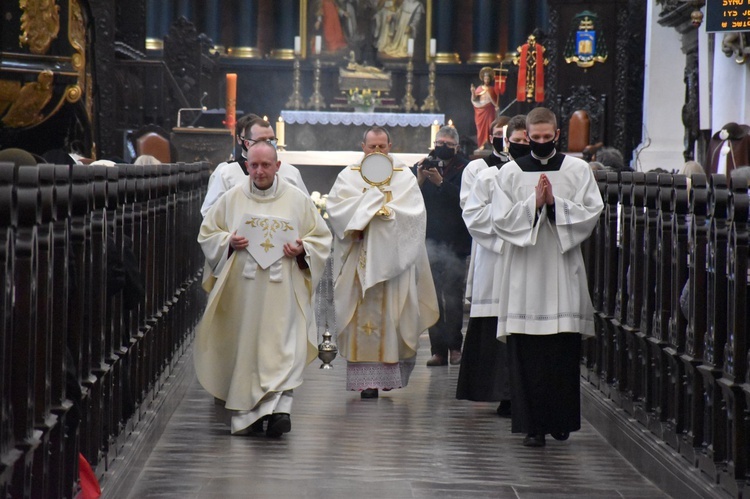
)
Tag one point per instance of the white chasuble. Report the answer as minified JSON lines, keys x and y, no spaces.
{"x":258,"y":330}
{"x":383,"y":291}
{"x":544,"y":288}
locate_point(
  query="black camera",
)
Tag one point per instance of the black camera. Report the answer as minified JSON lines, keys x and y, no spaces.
{"x":429,"y":163}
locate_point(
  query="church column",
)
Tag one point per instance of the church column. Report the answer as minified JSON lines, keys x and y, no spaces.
{"x":286,"y":27}
{"x":542,"y":15}
{"x":663,"y":130}
{"x":158,"y":20}
{"x":185,"y":9}
{"x":731,"y":88}
{"x":246,"y":37}
{"x":212,"y":23}
{"x":442,"y":32}
{"x":485,"y":35}
{"x":154,"y":34}
{"x":517,"y":24}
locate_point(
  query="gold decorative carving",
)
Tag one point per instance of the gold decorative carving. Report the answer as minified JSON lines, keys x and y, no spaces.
{"x":26,"y":109}
{"x":76,"y":27}
{"x":9,"y":91}
{"x":40,"y":24}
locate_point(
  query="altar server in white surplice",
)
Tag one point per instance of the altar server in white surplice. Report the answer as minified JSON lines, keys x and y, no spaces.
{"x":383,"y":289}
{"x":544,"y":206}
{"x":267,"y":244}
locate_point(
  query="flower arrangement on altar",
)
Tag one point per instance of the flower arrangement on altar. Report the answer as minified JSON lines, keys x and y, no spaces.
{"x":320,"y":203}
{"x":364,"y":98}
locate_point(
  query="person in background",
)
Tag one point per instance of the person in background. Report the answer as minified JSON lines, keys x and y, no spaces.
{"x":484,"y":370}
{"x":249,"y":130}
{"x":448,"y":242}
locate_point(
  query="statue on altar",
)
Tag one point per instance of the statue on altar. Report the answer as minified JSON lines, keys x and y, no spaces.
{"x":484,"y":98}
{"x":530,"y":61}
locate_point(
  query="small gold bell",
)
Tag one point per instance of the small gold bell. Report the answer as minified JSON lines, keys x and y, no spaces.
{"x":327,"y":351}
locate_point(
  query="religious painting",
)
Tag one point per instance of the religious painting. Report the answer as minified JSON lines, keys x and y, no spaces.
{"x":369,"y":32}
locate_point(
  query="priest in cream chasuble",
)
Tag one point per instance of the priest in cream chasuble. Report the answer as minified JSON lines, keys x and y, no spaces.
{"x":258,"y":331}
{"x":383,"y":289}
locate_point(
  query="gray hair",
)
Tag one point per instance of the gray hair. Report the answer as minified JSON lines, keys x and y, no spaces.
{"x":448,"y":131}
{"x":609,"y":156}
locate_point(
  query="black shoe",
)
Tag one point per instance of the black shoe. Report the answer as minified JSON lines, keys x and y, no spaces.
{"x":278,"y":424}
{"x":503,"y":410}
{"x":369,"y":393}
{"x":257,"y":427}
{"x":534,"y":440}
{"x":560,"y":435}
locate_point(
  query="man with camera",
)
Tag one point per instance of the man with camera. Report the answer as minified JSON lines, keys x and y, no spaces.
{"x":448,"y":241}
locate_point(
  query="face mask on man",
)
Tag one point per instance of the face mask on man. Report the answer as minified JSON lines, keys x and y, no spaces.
{"x":444,"y":152}
{"x":518,"y":149}
{"x":542,"y":149}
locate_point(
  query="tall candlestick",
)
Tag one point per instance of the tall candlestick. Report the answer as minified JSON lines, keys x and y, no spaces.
{"x":280,"y":132}
{"x":231,"y":106}
{"x":297,"y":45}
{"x":410,"y":47}
{"x":433,"y":47}
{"x":318,"y":42}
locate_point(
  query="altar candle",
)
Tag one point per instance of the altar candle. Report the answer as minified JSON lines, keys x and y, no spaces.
{"x":318,"y":41}
{"x":433,"y":132}
{"x":280,"y":131}
{"x":297,"y":45}
{"x":410,"y":47}
{"x":231,"y":107}
{"x":450,"y":124}
{"x":433,"y":47}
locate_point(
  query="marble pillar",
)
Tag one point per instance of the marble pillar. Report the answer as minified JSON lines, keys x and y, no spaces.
{"x":731,"y":89}
{"x":663,"y":131}
{"x":212,"y":23}
{"x":442,"y":32}
{"x":154,"y":35}
{"x":245,"y":43}
{"x":185,"y":9}
{"x":286,"y":27}
{"x":485,"y":36}
{"x":518,"y":22}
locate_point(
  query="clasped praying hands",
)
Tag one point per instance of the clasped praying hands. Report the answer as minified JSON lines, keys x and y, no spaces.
{"x":543,"y":191}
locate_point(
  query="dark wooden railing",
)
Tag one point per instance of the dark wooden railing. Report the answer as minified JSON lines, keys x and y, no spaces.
{"x":100,"y":294}
{"x":684,"y":378}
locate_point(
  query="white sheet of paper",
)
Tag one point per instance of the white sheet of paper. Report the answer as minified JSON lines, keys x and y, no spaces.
{"x":267,"y":236}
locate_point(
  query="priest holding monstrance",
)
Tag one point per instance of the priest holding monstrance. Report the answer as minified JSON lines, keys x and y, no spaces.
{"x":267,"y":243}
{"x":383,"y":289}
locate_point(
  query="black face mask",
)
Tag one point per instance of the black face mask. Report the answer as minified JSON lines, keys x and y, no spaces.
{"x":444,"y":152}
{"x":518,"y":150}
{"x":542,"y":149}
{"x":498,"y":144}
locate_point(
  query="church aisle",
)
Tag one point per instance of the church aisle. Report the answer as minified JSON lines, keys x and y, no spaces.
{"x":419,"y":442}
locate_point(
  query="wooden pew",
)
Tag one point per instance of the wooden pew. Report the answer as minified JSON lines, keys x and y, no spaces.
{"x":696,"y":324}
{"x":735,"y":369}
{"x":646,"y":412}
{"x":632,"y":402}
{"x":23,"y":334}
{"x":712,"y":459}
{"x":12,"y":456}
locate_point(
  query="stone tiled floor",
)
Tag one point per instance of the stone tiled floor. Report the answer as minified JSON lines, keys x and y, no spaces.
{"x":419,"y":442}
